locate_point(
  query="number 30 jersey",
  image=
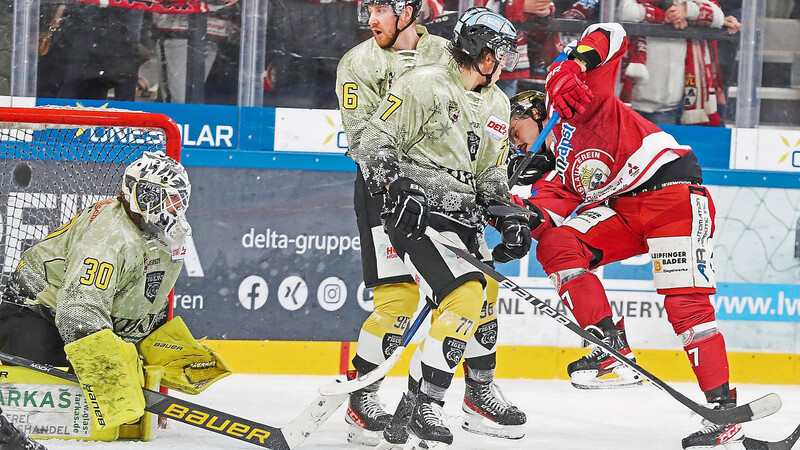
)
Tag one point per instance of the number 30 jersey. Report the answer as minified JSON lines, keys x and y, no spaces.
{"x":98,"y":271}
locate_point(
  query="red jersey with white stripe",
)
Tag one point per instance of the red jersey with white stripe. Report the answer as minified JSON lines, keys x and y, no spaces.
{"x":609,"y":149}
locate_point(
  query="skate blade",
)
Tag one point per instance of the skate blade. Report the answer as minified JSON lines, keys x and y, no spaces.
{"x":386,"y":445}
{"x":477,"y":424}
{"x":359,"y":436}
{"x":624,"y":378}
{"x":415,"y":443}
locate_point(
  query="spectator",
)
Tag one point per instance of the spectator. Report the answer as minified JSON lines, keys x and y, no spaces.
{"x":172,"y":49}
{"x":656,"y":85}
{"x":6,"y":27}
{"x":96,"y":51}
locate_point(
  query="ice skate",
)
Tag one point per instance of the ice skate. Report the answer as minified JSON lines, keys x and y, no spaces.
{"x":598,"y":370}
{"x":427,"y":429}
{"x":13,"y":439}
{"x":395,"y":435}
{"x":366,"y":416}
{"x":716,"y":435}
{"x":489,"y":413}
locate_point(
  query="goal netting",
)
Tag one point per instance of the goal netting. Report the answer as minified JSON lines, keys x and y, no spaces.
{"x":56,"y":161}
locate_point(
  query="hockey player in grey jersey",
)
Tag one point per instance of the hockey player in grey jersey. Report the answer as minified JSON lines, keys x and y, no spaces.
{"x":95,"y":290}
{"x":434,"y":152}
{"x":364,"y":76}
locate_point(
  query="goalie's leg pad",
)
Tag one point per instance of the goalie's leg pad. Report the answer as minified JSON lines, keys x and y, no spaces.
{"x":142,"y":429}
{"x":54,"y":400}
{"x":189,"y":366}
{"x":110,"y":374}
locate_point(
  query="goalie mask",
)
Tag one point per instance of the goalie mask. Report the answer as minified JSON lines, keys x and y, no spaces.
{"x":480,"y":28}
{"x":157,"y":188}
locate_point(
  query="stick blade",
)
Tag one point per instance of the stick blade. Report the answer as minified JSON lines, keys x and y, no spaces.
{"x":346,"y":387}
{"x":757,"y":409}
{"x":786,"y":444}
{"x":311,"y":418}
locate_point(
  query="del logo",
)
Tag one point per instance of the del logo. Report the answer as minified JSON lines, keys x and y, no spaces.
{"x":497,"y":128}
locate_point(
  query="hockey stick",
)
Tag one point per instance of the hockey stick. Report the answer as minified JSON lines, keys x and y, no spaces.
{"x":762,"y":407}
{"x":383,"y":368}
{"x":219,"y":422}
{"x":548,"y":127}
{"x":786,"y":444}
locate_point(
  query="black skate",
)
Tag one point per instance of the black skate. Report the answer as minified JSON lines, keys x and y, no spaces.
{"x":427,"y":428}
{"x":594,"y":370}
{"x":366,"y":416}
{"x":13,"y":439}
{"x":712,"y":434}
{"x":395,"y":435}
{"x":488,"y":412}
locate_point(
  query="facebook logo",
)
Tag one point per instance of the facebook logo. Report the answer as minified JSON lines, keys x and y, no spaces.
{"x":253,"y":292}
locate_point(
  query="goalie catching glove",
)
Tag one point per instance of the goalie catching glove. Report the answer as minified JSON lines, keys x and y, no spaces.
{"x":410,"y":214}
{"x":110,"y":374}
{"x":514,"y":225}
{"x":189,"y":366}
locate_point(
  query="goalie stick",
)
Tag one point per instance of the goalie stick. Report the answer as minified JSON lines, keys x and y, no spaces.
{"x":339,"y":387}
{"x":262,"y":435}
{"x":762,"y":407}
{"x":546,"y":129}
{"x":786,"y":444}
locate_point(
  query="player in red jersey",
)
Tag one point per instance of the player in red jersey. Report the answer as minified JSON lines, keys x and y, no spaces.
{"x":636,"y":190}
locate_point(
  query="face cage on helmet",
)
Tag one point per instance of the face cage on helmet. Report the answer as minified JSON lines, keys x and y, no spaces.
{"x":507,"y":58}
{"x":363,"y":8}
{"x":156,"y":202}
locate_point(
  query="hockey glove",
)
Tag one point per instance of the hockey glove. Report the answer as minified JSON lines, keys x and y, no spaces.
{"x":568,"y":94}
{"x":110,"y":373}
{"x":189,"y":366}
{"x":539,"y":164}
{"x":515,"y":230}
{"x":410,"y":215}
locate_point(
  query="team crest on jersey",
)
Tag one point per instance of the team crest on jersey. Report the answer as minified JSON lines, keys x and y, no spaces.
{"x":390,"y":342}
{"x":152,"y":284}
{"x":452,"y":111}
{"x":590,"y":170}
{"x":453,"y":350}
{"x":473,"y":142}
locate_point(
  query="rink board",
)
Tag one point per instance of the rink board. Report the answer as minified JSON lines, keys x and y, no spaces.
{"x":274,"y":264}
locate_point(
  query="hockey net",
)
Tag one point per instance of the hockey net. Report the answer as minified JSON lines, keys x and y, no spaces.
{"x":54,"y":162}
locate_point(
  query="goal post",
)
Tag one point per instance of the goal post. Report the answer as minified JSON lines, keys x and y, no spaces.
{"x":56,"y":161}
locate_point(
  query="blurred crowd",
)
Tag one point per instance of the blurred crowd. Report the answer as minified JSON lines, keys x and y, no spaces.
{"x":135,"y":51}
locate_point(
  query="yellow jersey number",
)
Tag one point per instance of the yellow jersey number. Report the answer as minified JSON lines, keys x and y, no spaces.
{"x":97,"y":273}
{"x":350,"y":100}
{"x":395,"y":103}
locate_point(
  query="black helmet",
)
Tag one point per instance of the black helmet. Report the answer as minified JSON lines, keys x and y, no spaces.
{"x":397,"y":6}
{"x":480,"y":28}
{"x":530,"y":103}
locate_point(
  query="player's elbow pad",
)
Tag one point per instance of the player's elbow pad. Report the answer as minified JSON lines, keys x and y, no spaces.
{"x":189,"y":366}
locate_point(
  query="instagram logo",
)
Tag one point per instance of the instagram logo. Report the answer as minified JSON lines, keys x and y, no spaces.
{"x":332,"y":293}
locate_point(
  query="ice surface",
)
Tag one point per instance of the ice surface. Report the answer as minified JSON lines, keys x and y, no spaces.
{"x":560,"y":417}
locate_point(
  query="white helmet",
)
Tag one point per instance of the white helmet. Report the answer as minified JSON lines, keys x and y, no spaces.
{"x":157,"y":187}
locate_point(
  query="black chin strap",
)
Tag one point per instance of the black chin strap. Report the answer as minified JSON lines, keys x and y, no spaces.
{"x":397,"y":31}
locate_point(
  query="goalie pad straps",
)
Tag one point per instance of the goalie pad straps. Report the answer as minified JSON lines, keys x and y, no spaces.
{"x":189,"y":366}
{"x":111,"y":377}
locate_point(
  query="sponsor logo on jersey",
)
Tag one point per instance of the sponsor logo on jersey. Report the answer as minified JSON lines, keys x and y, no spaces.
{"x":152,"y":284}
{"x":453,"y":350}
{"x":662,"y":261}
{"x":387,"y":251}
{"x":564,"y":148}
{"x":590,"y":170}
{"x":497,"y":128}
{"x":452,"y":111}
{"x":473,"y":143}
